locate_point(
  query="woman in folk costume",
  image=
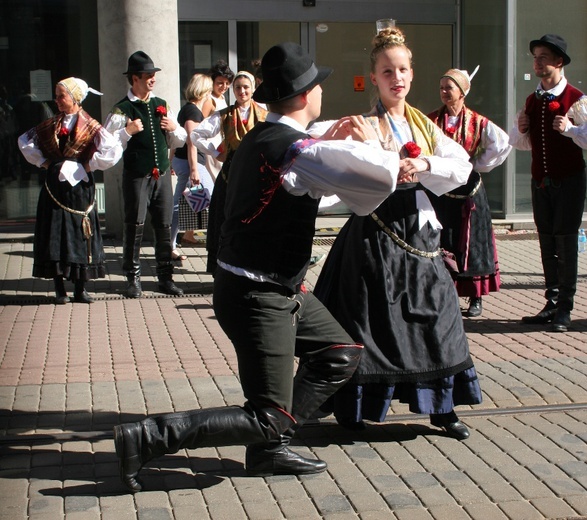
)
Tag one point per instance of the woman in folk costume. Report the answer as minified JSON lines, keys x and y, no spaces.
{"x":69,"y":146}
{"x":464,"y":212}
{"x":385,"y":280}
{"x":232,"y":123}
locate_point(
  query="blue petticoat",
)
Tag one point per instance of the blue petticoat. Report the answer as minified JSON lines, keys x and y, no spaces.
{"x":355,"y":403}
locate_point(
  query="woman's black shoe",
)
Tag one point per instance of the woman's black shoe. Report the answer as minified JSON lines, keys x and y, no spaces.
{"x":61,"y":297}
{"x":83,"y":297}
{"x":475,"y":308}
{"x":80,"y":294}
{"x":451,"y":424}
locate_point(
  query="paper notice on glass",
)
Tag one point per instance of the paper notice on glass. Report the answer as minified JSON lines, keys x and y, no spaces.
{"x":72,"y":172}
{"x":41,"y":87}
{"x":202,"y":56}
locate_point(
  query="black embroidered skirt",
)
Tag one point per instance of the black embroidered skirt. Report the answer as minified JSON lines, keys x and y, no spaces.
{"x":60,"y":247}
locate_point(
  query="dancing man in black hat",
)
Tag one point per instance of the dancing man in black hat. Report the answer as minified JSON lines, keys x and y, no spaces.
{"x":277,"y":179}
{"x":553,"y":125}
{"x":147,"y":129}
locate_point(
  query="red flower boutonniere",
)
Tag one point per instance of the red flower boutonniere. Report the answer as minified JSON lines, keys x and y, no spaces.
{"x":244,"y":122}
{"x":553,"y":106}
{"x":63,"y":132}
{"x":161,"y":111}
{"x":451,"y":130}
{"x":412,"y":149}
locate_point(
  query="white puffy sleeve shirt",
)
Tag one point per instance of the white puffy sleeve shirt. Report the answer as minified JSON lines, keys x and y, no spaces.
{"x":495,"y":145}
{"x":116,"y":125}
{"x":108,"y":148}
{"x":362,"y":175}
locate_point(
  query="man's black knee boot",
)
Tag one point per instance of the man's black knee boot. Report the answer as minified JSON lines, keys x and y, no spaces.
{"x":131,"y":263}
{"x":138,"y":443}
{"x":164,"y":262}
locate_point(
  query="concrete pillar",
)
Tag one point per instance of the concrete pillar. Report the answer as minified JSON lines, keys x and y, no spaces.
{"x":126,"y":26}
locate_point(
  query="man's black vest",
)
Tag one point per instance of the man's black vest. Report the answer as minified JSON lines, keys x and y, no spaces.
{"x":147,"y":149}
{"x":267,"y":229}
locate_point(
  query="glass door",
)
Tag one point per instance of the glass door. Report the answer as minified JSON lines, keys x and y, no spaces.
{"x":254,"y":38}
{"x":346,"y":48}
{"x":343,"y":46}
{"x":201,"y":44}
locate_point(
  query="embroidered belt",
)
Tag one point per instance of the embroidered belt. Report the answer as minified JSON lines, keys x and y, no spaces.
{"x":475,"y":190}
{"x":402,"y":243}
{"x":86,"y":222}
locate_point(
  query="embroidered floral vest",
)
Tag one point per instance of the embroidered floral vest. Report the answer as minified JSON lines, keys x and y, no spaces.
{"x":467,"y":133}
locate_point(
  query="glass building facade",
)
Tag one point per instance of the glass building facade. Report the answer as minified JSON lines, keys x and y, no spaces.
{"x":43,"y":41}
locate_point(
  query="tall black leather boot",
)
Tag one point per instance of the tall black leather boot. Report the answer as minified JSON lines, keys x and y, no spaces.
{"x":550,"y":267}
{"x":138,"y":443}
{"x":131,"y":263}
{"x":164,"y":262}
{"x":319,"y":375}
{"x":568,"y":271}
{"x":61,"y":297}
{"x":80,"y":294}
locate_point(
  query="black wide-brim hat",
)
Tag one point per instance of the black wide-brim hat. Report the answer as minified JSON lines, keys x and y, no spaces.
{"x":139,"y":62}
{"x":555,"y":43}
{"x":287,"y":71}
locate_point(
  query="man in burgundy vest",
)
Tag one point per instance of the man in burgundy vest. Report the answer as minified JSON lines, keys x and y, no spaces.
{"x":277,"y":178}
{"x":553,"y":125}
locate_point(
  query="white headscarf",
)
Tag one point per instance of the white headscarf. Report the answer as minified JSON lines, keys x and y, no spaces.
{"x":462,"y":78}
{"x":78,"y":89}
{"x":247,"y":75}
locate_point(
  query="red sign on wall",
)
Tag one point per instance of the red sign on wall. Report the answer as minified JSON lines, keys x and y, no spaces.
{"x":359,"y":83}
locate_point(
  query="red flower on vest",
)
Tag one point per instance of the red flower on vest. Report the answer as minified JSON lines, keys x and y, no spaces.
{"x":63,"y":132}
{"x":553,"y":106}
{"x":161,"y":111}
{"x":413,"y":149}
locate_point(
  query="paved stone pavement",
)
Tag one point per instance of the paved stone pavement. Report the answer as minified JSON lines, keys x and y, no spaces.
{"x":69,"y":373}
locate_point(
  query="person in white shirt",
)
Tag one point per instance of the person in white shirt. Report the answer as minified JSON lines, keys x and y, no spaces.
{"x":553,"y":126}
{"x":222,"y":77}
{"x":230,"y":124}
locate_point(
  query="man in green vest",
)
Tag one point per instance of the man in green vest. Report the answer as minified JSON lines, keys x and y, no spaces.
{"x":148,"y":130}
